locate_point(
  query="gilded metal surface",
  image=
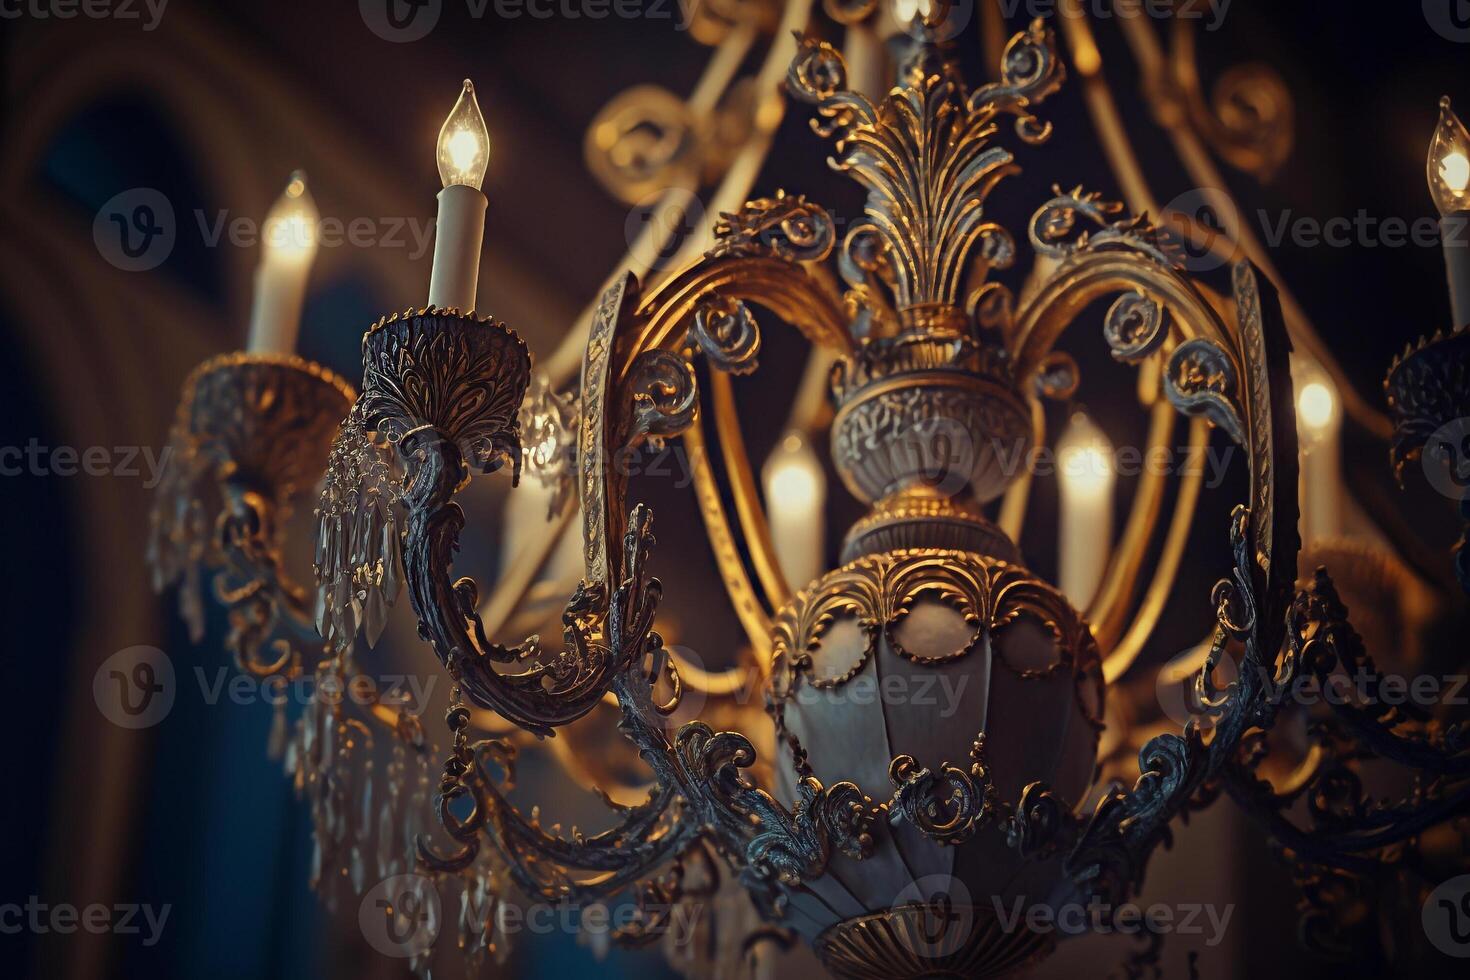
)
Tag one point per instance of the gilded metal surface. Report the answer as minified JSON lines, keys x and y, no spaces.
{"x":881,"y":589}
{"x":929,"y":941}
{"x":913,"y":519}
{"x":443,"y":393}
{"x":944,"y":429}
{"x":700,"y":792}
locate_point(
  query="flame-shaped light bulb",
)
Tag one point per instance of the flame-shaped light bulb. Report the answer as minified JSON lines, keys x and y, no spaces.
{"x":464,"y":142}
{"x":1448,"y":165}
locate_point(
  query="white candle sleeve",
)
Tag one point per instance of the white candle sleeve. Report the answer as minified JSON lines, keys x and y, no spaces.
{"x":458,"y":234}
{"x":280,"y":291}
{"x":1454,"y":230}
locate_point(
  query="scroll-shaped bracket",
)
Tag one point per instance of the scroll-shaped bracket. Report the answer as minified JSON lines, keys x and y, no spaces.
{"x":637,"y":379}
{"x":1112,"y":849}
{"x":700,"y":791}
{"x":251,"y":432}
{"x":445,"y":391}
{"x":1200,"y":380}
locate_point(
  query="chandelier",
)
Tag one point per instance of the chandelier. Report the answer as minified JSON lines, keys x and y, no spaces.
{"x":884,"y":833}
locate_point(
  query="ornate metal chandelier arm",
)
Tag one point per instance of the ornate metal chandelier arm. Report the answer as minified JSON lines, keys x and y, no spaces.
{"x":740,"y":472}
{"x":546,"y":865}
{"x":260,"y":602}
{"x":734,"y":188}
{"x":1255,"y":799}
{"x":1188,"y":145}
{"x":637,"y":382}
{"x":700,"y":791}
{"x":1125,"y":652}
{"x":771,"y":846}
{"x":1350,"y":831}
{"x":1108,"y":609}
{"x":1404,"y":734}
{"x":444,"y":390}
{"x":1112,"y":851}
{"x":754,"y":615}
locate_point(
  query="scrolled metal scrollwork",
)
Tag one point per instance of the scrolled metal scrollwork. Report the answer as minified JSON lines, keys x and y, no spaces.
{"x":1200,"y":379}
{"x":1135,"y":326}
{"x":726,"y":332}
{"x":665,"y":396}
{"x":700,"y":794}
{"x":785,"y":226}
{"x":1056,"y":231}
{"x":1042,"y":823}
{"x":947,"y":806}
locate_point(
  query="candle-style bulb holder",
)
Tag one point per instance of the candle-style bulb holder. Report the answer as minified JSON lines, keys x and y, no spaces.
{"x":1428,"y":389}
{"x":251,"y":433}
{"x":1447,"y":168}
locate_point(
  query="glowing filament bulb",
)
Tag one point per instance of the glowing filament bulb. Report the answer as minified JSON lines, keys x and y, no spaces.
{"x":1448,"y":166}
{"x":464,"y":143}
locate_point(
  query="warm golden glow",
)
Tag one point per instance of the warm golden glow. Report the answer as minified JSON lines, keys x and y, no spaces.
{"x":464,"y":142}
{"x":290,"y":233}
{"x":1085,"y":458}
{"x":1448,"y":166}
{"x":1454,"y":169}
{"x":794,"y":478}
{"x":905,"y":11}
{"x":1316,"y":406}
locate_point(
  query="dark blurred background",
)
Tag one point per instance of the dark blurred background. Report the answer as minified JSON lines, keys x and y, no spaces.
{"x":215,"y":103}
